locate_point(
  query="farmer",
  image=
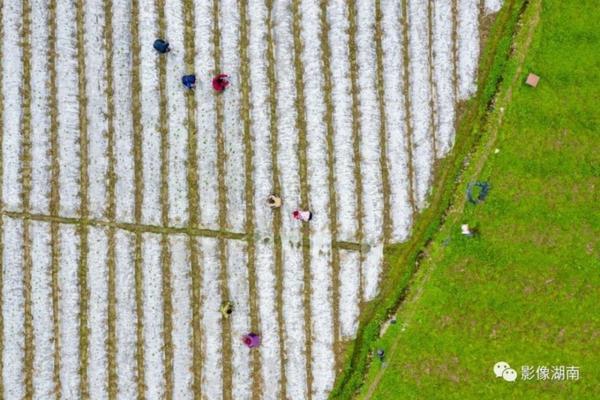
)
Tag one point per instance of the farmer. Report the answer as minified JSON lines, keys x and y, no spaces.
{"x":251,"y":340}
{"x":274,"y":201}
{"x":465,"y":230}
{"x":302,"y":215}
{"x":162,"y":46}
{"x":220,"y":82}
{"x":189,"y":81}
{"x":380,"y":354}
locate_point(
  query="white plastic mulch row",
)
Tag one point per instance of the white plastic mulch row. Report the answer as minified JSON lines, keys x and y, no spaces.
{"x":123,"y":122}
{"x":41,"y":310}
{"x":212,"y":340}
{"x":492,"y":6}
{"x":323,"y":373}
{"x":13,"y":313}
{"x":12,"y":72}
{"x":443,"y":71}
{"x":206,"y":116}
{"x":229,"y":25}
{"x":349,"y":300}
{"x":293,"y":273}
{"x":395,"y":114}
{"x":177,"y":112}
{"x":237,"y":280}
{"x":420,"y":97}
{"x":126,"y":317}
{"x":181,"y":268}
{"x":345,"y":182}
{"x":149,"y":96}
{"x":468,"y":47}
{"x":40,"y":117}
{"x":370,"y":150}
{"x":68,"y":282}
{"x":68,"y":107}
{"x":270,"y":352}
{"x":154,"y":367}
{"x":97,"y":282}
{"x":97,"y":107}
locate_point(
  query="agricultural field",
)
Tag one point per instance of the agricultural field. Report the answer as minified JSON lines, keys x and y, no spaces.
{"x":133,"y":208}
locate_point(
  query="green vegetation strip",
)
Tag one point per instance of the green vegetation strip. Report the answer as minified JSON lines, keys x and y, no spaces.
{"x":402,"y":259}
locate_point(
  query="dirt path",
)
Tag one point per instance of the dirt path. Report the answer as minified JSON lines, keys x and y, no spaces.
{"x":458,"y":207}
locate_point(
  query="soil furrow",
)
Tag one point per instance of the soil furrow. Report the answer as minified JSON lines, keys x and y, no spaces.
{"x":226,"y":323}
{"x":54,"y":191}
{"x":455,"y":48}
{"x":193,"y":202}
{"x":304,"y":186}
{"x":111,"y":209}
{"x":407,"y":106}
{"x":25,"y":127}
{"x":139,"y":313}
{"x":83,"y":207}
{"x":164,"y":201}
{"x":249,"y":189}
{"x":385,"y":178}
{"x":432,"y":83}
{"x":333,"y":212}
{"x":276,"y":189}
{"x":356,"y":127}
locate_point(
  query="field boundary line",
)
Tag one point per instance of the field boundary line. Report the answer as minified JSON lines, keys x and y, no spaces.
{"x":304,"y":186}
{"x":333,"y":211}
{"x":222,"y":196}
{"x":139,"y":313}
{"x":356,"y":129}
{"x":526,"y":29}
{"x":273,"y":122}
{"x":249,"y":190}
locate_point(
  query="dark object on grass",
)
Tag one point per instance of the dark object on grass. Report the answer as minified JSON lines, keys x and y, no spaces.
{"x":189,"y":81}
{"x":380,"y":354}
{"x":162,"y":46}
{"x":484,"y":189}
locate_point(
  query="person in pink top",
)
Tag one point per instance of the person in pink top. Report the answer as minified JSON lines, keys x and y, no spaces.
{"x":302,"y":215}
{"x":251,"y":340}
{"x":220,"y":82}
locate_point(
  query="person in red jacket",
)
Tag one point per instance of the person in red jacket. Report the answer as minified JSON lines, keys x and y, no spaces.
{"x":302,"y":215}
{"x":220,"y":82}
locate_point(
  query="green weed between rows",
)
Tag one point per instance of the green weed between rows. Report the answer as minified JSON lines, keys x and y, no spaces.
{"x":525,"y":291}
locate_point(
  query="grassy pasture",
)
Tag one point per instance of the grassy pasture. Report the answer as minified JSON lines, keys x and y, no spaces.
{"x":526,"y":290}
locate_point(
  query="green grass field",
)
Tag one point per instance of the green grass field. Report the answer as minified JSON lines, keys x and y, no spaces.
{"x":526,"y":290}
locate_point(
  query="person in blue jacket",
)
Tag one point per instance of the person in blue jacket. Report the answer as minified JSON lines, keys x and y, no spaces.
{"x":162,"y":46}
{"x":189,"y":81}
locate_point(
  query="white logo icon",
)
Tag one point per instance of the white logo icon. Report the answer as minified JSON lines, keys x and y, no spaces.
{"x":502,"y":369}
{"x":509,"y":375}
